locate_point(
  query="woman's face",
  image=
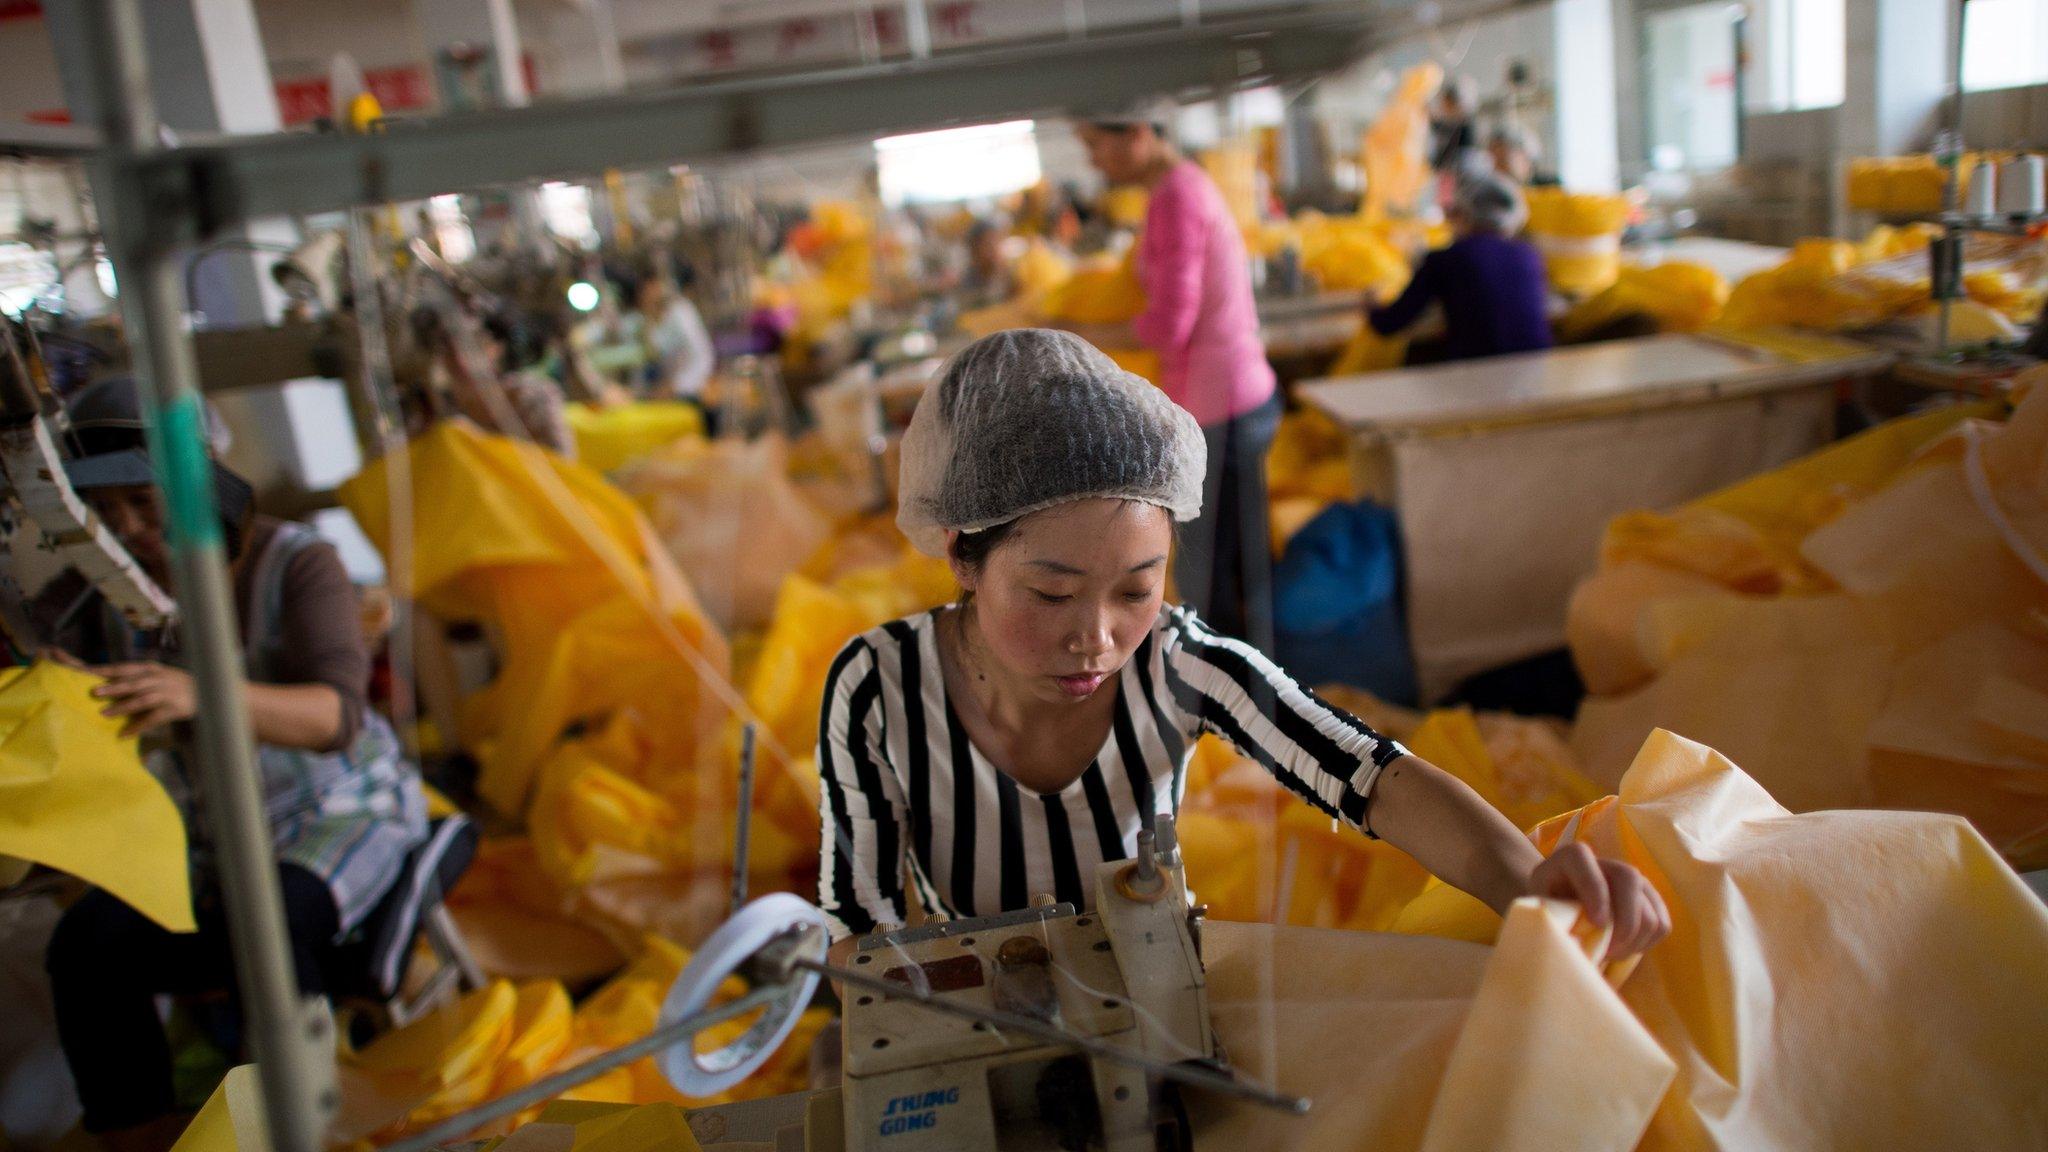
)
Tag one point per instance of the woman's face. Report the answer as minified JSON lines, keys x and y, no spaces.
{"x":1120,"y":154}
{"x":1064,"y":601}
{"x":136,"y":518}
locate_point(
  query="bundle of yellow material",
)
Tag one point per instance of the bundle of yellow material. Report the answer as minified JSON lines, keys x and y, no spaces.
{"x":1344,"y":253}
{"x":1039,"y":269}
{"x":1863,"y":626}
{"x":1679,"y":296}
{"x":1833,"y":285}
{"x":732,"y":519}
{"x":75,"y":796}
{"x":521,"y":926}
{"x":607,"y":438}
{"x":504,"y":1036}
{"x":629,"y":1007}
{"x":1907,"y":185}
{"x":588,"y":614}
{"x":1579,"y":234}
{"x":1104,"y":293}
{"x":1125,"y":205}
{"x":812,"y":622}
{"x":1394,"y":151}
{"x":646,"y":845}
{"x":1099,"y":292}
{"x":1234,"y":166}
{"x":1799,"y":913}
{"x":1307,"y":470}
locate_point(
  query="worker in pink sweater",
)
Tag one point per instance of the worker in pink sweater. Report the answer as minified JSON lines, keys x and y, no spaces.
{"x":1200,"y":317}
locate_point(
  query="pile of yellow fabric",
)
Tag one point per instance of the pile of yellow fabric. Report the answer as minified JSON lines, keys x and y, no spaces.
{"x":1863,"y":627}
{"x":607,"y":438}
{"x":1678,"y":296}
{"x":1394,"y":151}
{"x":506,"y":1035}
{"x":1125,"y":204}
{"x":606,"y":729}
{"x":588,"y":613}
{"x":1834,"y":285}
{"x":1307,"y":470}
{"x":1579,"y":234}
{"x":1234,"y":166}
{"x":1104,"y":291}
{"x":1907,"y":185}
{"x":1344,"y":253}
{"x":814,"y":618}
{"x":1765,"y":1020}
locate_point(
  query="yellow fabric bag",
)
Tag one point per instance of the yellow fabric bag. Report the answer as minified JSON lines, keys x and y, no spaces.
{"x":232,"y":1119}
{"x":74,"y":795}
{"x":607,"y":438}
{"x":1579,"y":234}
{"x":590,"y":614}
{"x":1394,"y":149}
{"x":1790,"y":933}
{"x":1679,"y":296}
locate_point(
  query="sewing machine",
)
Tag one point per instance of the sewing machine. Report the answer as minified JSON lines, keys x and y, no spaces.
{"x":936,"y":1051}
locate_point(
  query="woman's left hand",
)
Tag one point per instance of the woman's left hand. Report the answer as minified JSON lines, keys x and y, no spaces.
{"x":150,"y":696}
{"x":1611,"y":892}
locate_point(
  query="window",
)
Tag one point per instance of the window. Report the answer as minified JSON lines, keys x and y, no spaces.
{"x":1798,"y":55}
{"x":26,"y":273}
{"x":566,"y":210}
{"x":1689,"y":58}
{"x":451,"y":228}
{"x":957,"y":163}
{"x":2005,"y":44}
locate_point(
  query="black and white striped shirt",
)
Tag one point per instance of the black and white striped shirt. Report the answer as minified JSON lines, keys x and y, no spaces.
{"x":906,"y":795}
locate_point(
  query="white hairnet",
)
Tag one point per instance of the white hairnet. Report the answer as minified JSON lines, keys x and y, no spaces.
{"x":1157,"y":111}
{"x":1492,"y":201}
{"x":1029,"y":418}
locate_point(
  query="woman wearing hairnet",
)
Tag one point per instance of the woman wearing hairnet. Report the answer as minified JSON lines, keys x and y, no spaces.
{"x":1492,"y":286}
{"x":1199,"y":316}
{"x":985,"y":752}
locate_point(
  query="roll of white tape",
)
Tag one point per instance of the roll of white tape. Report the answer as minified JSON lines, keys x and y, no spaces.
{"x":2023,"y":186}
{"x":1983,"y":200}
{"x":697,"y":1073}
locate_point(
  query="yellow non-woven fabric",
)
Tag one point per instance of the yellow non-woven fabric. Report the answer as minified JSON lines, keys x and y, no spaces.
{"x":74,"y":795}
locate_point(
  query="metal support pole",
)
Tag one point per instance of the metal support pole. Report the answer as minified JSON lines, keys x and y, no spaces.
{"x":917,"y":29}
{"x":740,"y":848}
{"x":292,"y":1039}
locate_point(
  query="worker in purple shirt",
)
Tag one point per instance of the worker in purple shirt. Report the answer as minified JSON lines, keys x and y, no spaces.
{"x":1491,"y":286}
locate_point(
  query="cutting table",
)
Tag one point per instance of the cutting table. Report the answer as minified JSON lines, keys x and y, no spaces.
{"x":1503,"y":472}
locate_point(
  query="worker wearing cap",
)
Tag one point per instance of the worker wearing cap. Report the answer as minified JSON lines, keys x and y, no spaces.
{"x":1200,"y":317}
{"x":980,"y":754}
{"x":345,"y":807}
{"x":1491,"y":286}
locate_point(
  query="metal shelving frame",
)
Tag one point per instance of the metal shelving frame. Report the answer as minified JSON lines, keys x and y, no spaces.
{"x":157,"y":200}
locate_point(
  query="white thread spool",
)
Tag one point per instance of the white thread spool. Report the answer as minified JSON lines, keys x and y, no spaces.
{"x":1983,"y":198}
{"x":2023,"y":186}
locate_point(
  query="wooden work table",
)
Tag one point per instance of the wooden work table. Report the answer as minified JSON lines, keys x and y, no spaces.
{"x":1504,"y":472}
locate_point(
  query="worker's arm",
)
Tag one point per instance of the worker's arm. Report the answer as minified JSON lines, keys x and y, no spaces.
{"x":1466,"y":842}
{"x":1420,"y":294}
{"x":150,"y":696}
{"x":1337,"y":763}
